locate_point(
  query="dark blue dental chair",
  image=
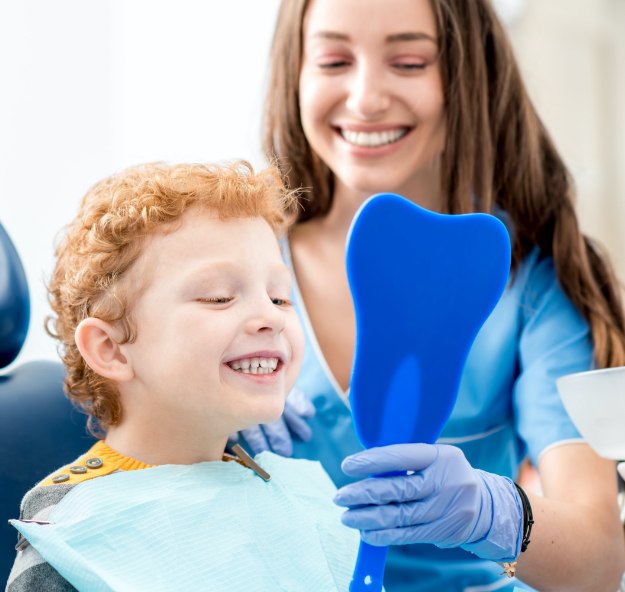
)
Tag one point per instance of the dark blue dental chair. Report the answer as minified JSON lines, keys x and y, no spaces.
{"x":39,"y":428}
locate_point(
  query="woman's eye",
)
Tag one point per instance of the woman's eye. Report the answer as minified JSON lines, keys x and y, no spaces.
{"x":409,"y":67}
{"x":333,"y":65}
{"x":216,"y":300}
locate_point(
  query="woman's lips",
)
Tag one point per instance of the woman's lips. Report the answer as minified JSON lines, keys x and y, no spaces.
{"x":372,"y":138}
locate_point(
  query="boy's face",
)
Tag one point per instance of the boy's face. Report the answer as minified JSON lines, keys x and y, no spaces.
{"x":218,"y":342}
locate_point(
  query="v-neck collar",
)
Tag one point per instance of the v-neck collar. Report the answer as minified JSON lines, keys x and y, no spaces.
{"x":308,"y":328}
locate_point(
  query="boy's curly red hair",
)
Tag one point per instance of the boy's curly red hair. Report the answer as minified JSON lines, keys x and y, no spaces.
{"x":106,"y":238}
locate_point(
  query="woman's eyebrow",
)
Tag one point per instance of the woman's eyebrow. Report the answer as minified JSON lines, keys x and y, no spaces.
{"x":332,"y":35}
{"x":393,"y":38}
{"x":410,"y":36}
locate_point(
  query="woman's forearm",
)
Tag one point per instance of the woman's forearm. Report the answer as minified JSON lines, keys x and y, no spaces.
{"x":577,"y":541}
{"x":573,"y":547}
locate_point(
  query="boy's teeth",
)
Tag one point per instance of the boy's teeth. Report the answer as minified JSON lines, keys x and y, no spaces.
{"x":373,"y":139}
{"x":255,"y":365}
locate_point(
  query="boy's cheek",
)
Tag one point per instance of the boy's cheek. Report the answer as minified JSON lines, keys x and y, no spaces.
{"x":297,"y":348}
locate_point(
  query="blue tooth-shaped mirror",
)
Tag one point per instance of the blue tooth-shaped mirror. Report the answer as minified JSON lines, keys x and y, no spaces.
{"x":423,"y":284}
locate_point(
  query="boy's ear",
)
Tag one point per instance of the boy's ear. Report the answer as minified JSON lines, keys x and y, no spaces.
{"x":97,"y":342}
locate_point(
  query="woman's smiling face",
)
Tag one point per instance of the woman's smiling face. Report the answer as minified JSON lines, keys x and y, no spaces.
{"x":371,"y":96}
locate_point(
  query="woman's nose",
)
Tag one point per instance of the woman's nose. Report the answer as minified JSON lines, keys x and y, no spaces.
{"x":368,"y":95}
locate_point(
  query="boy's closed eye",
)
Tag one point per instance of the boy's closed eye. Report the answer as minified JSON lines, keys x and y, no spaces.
{"x":282,"y":302}
{"x":227,"y":299}
{"x":216,"y":299}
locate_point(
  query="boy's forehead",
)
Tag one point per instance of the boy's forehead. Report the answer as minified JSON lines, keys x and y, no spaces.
{"x":203,"y":217}
{"x":205,"y":224}
{"x":201,"y":237}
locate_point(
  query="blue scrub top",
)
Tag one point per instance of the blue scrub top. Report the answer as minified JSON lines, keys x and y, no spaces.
{"x":507,"y":409}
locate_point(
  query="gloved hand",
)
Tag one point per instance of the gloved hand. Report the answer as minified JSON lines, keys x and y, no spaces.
{"x":443,"y":501}
{"x":278,"y":435}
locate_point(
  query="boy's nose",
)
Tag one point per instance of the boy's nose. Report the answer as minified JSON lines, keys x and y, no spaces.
{"x":368,"y":96}
{"x":266,"y":317}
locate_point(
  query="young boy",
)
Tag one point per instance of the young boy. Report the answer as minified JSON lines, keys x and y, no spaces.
{"x":173,"y":314}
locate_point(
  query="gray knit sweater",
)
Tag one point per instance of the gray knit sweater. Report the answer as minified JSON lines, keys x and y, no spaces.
{"x":31,"y":573}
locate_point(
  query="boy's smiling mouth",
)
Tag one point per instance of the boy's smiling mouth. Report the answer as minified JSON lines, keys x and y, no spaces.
{"x":255,"y":365}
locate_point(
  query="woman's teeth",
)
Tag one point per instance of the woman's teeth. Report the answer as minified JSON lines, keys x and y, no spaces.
{"x":373,"y":139}
{"x":255,"y":365}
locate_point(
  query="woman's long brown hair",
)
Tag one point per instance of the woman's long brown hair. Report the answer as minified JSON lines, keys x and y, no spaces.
{"x":497,"y":152}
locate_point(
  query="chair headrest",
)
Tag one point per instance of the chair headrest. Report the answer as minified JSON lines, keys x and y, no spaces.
{"x":14,"y":301}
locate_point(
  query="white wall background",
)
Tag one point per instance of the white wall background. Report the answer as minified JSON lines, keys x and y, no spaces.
{"x":572,"y":53}
{"x":87,"y":88}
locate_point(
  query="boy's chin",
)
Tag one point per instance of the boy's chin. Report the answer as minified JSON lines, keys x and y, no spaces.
{"x":270,"y":417}
{"x":269,"y":414}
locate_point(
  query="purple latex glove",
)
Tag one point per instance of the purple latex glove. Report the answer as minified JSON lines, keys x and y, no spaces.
{"x":278,"y":435}
{"x":443,"y":501}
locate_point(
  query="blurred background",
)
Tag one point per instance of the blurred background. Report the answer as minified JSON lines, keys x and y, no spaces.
{"x":89,"y":88}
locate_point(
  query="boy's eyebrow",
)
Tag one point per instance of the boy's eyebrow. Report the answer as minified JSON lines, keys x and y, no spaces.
{"x":207,"y":272}
{"x":393,"y":38}
{"x":219,"y":265}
